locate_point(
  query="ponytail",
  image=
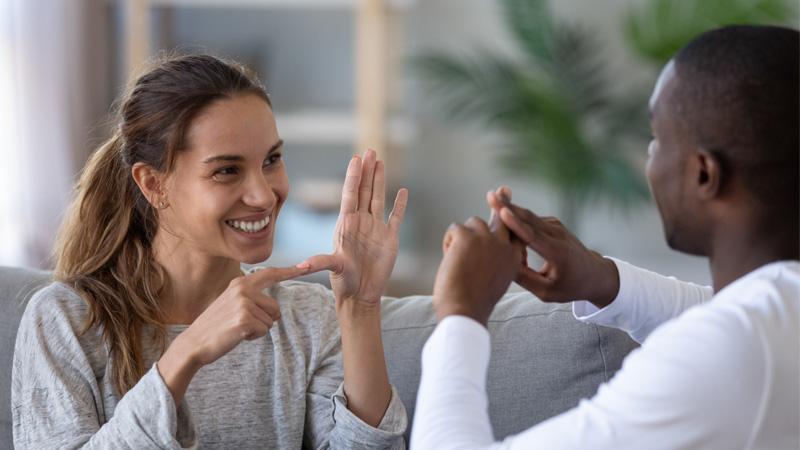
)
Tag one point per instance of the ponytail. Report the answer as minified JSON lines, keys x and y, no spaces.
{"x":103,"y":251}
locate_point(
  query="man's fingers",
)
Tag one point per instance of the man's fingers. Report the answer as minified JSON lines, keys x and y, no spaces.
{"x":450,"y":235}
{"x":493,"y":202}
{"x":324,"y":262}
{"x":399,"y":210}
{"x":525,"y":215}
{"x":477,"y":224}
{"x":266,"y":276}
{"x":378,"y":191}
{"x":350,"y":189}
{"x":367,"y":175}
{"x":504,"y":194}
{"x":494,"y":208}
{"x":533,"y":281}
{"x":498,"y":228}
{"x":524,"y":231}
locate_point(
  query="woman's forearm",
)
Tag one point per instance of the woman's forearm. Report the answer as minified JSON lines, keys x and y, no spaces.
{"x":177,"y":368}
{"x":366,"y":381}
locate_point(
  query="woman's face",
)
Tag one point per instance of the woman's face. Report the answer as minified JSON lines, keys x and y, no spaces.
{"x":227,"y":188}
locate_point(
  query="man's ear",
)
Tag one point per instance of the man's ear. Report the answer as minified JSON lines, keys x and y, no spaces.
{"x":709,"y":174}
{"x":150,"y":182}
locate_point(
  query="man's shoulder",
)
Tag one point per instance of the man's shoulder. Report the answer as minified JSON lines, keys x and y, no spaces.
{"x":769,"y":294}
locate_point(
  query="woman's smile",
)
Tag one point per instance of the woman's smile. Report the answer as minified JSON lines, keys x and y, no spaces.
{"x":254,"y":227}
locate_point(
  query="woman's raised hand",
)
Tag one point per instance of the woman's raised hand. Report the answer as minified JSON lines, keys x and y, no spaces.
{"x":365,"y":246}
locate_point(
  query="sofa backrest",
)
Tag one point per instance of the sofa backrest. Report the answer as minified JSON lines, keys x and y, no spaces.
{"x":16,"y":288}
{"x":543,"y":360}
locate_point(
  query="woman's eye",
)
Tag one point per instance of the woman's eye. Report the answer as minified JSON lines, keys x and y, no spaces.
{"x":225,"y":171}
{"x":272,"y":159}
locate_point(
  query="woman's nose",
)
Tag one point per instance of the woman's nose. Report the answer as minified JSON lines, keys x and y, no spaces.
{"x":259,"y":193}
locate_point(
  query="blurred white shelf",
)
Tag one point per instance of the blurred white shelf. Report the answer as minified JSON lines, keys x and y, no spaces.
{"x":282,"y":4}
{"x":332,"y":127}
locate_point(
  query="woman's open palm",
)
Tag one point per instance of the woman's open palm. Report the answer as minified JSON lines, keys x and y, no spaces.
{"x":364,"y":245}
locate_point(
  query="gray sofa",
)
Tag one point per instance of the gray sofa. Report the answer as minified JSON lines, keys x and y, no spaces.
{"x":543,"y":360}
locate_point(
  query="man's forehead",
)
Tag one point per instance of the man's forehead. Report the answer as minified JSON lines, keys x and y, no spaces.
{"x":666,"y":74}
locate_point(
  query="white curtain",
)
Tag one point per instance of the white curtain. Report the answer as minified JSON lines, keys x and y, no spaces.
{"x":46,"y":110}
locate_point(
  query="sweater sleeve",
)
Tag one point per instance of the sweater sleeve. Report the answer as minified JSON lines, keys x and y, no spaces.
{"x":56,"y":400}
{"x":644,"y":302}
{"x":329,"y":423}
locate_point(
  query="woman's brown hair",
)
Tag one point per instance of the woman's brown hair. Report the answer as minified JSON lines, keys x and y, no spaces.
{"x":104,"y":248}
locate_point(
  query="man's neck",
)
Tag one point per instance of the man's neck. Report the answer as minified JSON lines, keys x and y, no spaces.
{"x":196,"y":279}
{"x":737,"y":252}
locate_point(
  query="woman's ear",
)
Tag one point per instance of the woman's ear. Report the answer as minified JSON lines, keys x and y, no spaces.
{"x":150,"y":182}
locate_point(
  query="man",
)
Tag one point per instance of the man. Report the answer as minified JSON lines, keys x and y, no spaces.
{"x":718,"y":368}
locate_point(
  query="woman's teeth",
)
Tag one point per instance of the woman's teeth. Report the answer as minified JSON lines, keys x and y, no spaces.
{"x":249,"y":227}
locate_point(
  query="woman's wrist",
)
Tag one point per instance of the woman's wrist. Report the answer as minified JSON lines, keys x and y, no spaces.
{"x":177,"y":366}
{"x":366,"y":381}
{"x":356,"y":311}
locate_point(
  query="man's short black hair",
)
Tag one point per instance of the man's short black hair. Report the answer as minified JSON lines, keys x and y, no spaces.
{"x":737,"y":94}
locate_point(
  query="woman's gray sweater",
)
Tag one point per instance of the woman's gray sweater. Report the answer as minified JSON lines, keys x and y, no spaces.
{"x":283,"y":391}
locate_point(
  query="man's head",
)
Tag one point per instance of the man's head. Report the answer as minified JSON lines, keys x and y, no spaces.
{"x":725,"y":118}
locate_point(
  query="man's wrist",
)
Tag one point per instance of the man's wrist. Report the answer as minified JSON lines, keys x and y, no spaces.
{"x":446,"y":308}
{"x":609,"y":283}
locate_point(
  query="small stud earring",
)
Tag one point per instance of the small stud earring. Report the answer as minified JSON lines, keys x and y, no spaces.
{"x":161,"y":204}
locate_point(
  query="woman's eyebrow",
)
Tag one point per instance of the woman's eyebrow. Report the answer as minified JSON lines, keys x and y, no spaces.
{"x":275,"y":146}
{"x":227,"y":158}
{"x":237,"y":158}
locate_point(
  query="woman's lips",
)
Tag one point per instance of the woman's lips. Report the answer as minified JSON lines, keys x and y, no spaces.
{"x":250,"y":227}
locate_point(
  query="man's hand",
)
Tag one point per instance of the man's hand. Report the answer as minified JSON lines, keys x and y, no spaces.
{"x":571,"y":271}
{"x":479,"y":264}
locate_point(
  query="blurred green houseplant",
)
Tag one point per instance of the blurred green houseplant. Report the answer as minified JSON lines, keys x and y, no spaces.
{"x":552,"y":107}
{"x":656,"y":29}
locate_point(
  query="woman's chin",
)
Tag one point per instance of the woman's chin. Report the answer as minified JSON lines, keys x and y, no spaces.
{"x":252,"y":255}
{"x":256,"y":258}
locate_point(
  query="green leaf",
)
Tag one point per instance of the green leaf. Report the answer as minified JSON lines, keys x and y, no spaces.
{"x":530,"y":23}
{"x":659,"y":28}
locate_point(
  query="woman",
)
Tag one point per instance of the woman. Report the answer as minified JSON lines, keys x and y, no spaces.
{"x":152,"y":337}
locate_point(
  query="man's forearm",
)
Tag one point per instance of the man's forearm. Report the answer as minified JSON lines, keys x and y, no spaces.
{"x":451,"y":407}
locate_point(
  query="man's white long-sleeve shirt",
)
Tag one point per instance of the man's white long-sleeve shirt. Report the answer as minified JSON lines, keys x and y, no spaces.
{"x":719,"y":374}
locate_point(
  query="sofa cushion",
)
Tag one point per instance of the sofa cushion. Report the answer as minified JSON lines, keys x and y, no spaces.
{"x":16,"y":288}
{"x":543,"y":360}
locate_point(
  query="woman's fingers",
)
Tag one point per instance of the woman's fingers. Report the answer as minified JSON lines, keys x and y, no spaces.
{"x":352,"y":180}
{"x":324,"y":262}
{"x":255,"y":330}
{"x":367,"y":176}
{"x":399,"y":210}
{"x":378,"y":191}
{"x":264,"y":277}
{"x":266,"y":305}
